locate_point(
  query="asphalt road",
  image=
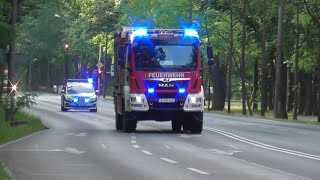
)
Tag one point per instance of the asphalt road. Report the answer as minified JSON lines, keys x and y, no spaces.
{"x":84,"y":145}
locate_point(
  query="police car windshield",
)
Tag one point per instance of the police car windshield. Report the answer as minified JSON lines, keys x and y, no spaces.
{"x":78,"y":88}
{"x":165,"y":55}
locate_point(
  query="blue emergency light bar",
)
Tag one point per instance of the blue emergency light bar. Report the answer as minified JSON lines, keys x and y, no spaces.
{"x":140,"y":32}
{"x":191,"y":32}
{"x":90,"y":80}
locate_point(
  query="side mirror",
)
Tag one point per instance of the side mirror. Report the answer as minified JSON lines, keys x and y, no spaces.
{"x":210,"y":55}
{"x":62,"y":91}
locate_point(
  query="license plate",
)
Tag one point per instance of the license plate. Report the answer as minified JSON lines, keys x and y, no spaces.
{"x":167,"y":100}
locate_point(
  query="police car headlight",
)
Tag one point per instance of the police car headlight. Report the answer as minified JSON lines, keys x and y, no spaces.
{"x":93,"y":98}
{"x":68,"y":97}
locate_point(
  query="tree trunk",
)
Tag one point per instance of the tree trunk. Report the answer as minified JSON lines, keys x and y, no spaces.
{"x":230,"y":56}
{"x":243,"y":60}
{"x":296,"y":64}
{"x":219,"y":86}
{"x":279,"y":106}
{"x":290,"y":97}
{"x":255,"y":85}
{"x":308,"y":95}
{"x":301,"y":97}
{"x":11,"y":62}
{"x":263,"y":68}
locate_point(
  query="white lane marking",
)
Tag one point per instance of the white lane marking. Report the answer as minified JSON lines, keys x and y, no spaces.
{"x":150,"y":128}
{"x":146,"y":152}
{"x":6,"y":144}
{"x":303,"y":133}
{"x":74,"y":151}
{"x":133,"y":137}
{"x":167,"y":146}
{"x":188,"y":136}
{"x":269,"y":168}
{"x":82,"y":134}
{"x":108,"y":122}
{"x":103,"y":145}
{"x":235,"y":147}
{"x":69,"y":134}
{"x":264,"y":126}
{"x":136,"y":146}
{"x":133,"y":142}
{"x":198,"y":171}
{"x":262,"y":145}
{"x":228,"y":152}
{"x":169,"y":160}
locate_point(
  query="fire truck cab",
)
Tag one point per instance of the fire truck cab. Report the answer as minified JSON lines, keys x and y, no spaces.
{"x":157,"y":77}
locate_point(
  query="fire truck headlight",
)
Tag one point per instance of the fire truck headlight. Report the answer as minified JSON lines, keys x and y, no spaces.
{"x":139,"y":99}
{"x":138,"y":102}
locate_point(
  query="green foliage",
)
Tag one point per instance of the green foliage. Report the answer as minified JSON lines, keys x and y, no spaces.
{"x":25,"y":100}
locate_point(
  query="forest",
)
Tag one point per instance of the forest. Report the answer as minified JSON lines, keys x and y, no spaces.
{"x":267,"y":52}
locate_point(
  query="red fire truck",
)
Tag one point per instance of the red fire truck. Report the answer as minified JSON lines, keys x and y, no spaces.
{"x":157,"y":77}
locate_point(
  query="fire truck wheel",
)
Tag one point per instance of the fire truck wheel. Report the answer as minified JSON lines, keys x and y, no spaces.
{"x":119,"y":123}
{"x":129,"y":125}
{"x":187,"y":124}
{"x":197,"y":127}
{"x":176,"y":125}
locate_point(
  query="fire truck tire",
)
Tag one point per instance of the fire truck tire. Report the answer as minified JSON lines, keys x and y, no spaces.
{"x":119,"y":123}
{"x":187,"y":124}
{"x":197,"y":127}
{"x":176,"y":125}
{"x":129,"y":125}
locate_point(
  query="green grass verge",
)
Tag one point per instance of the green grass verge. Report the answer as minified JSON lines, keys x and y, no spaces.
{"x":10,"y":133}
{"x":3,"y":174}
{"x":236,"y":110}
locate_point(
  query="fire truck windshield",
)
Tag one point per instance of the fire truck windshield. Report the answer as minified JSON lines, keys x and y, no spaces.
{"x":165,"y":55}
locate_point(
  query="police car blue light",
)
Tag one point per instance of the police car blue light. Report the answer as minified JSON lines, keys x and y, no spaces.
{"x":75,"y":100}
{"x":90,"y":80}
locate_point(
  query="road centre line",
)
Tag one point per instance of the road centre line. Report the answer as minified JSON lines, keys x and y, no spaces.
{"x":103,"y":145}
{"x":146,"y":152}
{"x":198,"y":171}
{"x":262,"y":145}
{"x":136,"y":146}
{"x":133,"y":142}
{"x":169,"y":160}
{"x":133,"y":137}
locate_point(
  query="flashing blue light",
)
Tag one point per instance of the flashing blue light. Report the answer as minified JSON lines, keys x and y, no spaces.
{"x":90,"y":80}
{"x":182,"y":90}
{"x":150,"y":90}
{"x":86,"y":100}
{"x":191,"y":32}
{"x":140,"y":32}
{"x":75,"y":100}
